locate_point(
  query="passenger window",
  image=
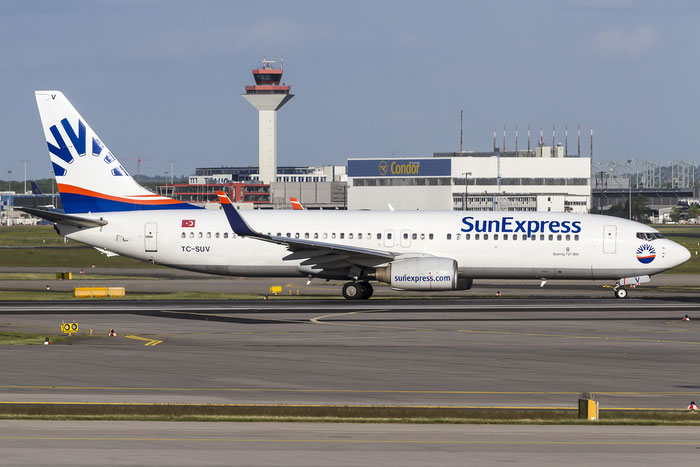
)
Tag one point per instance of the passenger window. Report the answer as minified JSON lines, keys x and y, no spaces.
{"x":296,"y":235}
{"x":388,"y":236}
{"x":279,"y":234}
{"x":359,"y":236}
{"x":325,"y":235}
{"x":576,"y":237}
{"x":449,"y":236}
{"x":191,"y":234}
{"x":524,"y":236}
{"x":559,"y":237}
{"x":184,"y":235}
{"x":225,"y":234}
{"x":306,"y":235}
{"x":476,"y":236}
{"x":505,"y":236}
{"x":369,"y":236}
{"x":533,"y":237}
{"x":315,"y":234}
{"x":551,"y":237}
{"x":217,"y":234}
{"x":422,"y":236}
{"x":458,"y":236}
{"x":430,"y":236}
{"x":199,"y":234}
{"x":208,"y":234}
{"x":414,"y":236}
{"x":350,"y":236}
{"x":342,"y":235}
{"x":495,"y":236}
{"x":541,"y":236}
{"x":568,"y":237}
{"x":289,"y":235}
{"x":467,"y":236}
{"x":379,"y":236}
{"x":333,"y":235}
{"x":486,"y":236}
{"x":405,"y":236}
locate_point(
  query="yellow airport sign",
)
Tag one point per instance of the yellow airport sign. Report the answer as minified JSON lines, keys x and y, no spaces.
{"x":69,"y":328}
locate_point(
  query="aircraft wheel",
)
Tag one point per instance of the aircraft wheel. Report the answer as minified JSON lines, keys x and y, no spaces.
{"x":369,"y":290}
{"x":620,"y":292}
{"x":353,"y":291}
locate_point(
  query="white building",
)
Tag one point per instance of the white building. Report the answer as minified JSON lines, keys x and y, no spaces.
{"x":544,"y":180}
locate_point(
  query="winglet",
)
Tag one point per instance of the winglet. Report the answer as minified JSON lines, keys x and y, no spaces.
{"x":239,"y":226}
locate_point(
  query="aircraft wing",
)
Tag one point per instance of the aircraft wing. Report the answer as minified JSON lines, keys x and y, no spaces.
{"x":313,"y":253}
{"x":62,"y":218}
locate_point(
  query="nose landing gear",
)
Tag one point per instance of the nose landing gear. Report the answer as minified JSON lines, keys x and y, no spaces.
{"x":620,"y":292}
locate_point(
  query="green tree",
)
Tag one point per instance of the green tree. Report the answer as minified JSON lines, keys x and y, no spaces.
{"x":675,"y":215}
{"x":693,"y":211}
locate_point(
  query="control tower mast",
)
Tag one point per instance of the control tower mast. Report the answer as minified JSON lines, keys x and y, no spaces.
{"x":267,"y":96}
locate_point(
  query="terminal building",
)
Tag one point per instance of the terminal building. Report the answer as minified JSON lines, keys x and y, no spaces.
{"x":541,"y":180}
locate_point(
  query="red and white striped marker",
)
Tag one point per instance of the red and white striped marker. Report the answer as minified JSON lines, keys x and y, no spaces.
{"x":112,"y":333}
{"x":686,"y":318}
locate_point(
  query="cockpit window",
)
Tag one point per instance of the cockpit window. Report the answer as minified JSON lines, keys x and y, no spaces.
{"x":649,"y":235}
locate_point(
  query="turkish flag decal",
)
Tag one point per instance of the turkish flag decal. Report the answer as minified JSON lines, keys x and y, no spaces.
{"x":188,"y":222}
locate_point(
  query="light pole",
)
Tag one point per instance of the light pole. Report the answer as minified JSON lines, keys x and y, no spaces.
{"x":172,"y":174}
{"x":629,"y":183}
{"x":25,"y":174}
{"x":9,"y":175}
{"x":466,"y":189}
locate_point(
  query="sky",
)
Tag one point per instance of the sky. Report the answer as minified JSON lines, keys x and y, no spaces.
{"x":161,"y":80}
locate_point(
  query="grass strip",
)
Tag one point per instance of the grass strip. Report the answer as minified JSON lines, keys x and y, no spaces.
{"x":334,"y":414}
{"x":23,"y":338}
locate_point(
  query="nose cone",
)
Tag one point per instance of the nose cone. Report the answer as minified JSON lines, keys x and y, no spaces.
{"x":679,"y":254}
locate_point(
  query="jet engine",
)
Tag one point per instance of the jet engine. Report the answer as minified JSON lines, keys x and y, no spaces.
{"x":424,"y":273}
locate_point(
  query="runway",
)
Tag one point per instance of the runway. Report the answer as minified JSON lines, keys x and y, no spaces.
{"x":311,"y":444}
{"x":635,"y":353}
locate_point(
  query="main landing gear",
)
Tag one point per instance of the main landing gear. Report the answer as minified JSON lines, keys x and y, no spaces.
{"x":357,"y":290}
{"x":621,"y":292}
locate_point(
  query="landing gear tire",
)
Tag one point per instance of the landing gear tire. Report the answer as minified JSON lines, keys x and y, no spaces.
{"x":354,"y":291}
{"x":369,"y":290}
{"x":620,"y":292}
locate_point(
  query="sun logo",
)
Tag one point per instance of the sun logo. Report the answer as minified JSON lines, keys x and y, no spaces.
{"x":646,"y":253}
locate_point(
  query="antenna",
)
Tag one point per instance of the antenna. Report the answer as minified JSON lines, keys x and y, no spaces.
{"x":566,"y":140}
{"x":591,"y":144}
{"x":461,"y":129}
{"x":528,"y":139}
{"x":579,"y":140}
{"x":494,"y":140}
{"x":503,"y":149}
{"x":516,"y":140}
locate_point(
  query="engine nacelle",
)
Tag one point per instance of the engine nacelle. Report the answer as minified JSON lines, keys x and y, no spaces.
{"x":423,"y":273}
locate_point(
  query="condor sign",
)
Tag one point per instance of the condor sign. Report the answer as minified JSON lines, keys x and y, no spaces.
{"x":399,"y":167}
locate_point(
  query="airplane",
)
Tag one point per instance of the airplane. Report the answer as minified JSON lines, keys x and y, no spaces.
{"x":409,"y":250}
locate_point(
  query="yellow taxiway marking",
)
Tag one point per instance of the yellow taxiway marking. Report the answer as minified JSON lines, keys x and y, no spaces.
{"x":350,"y":441}
{"x":573,"y":336}
{"x":151,"y":342}
{"x":318,"y":320}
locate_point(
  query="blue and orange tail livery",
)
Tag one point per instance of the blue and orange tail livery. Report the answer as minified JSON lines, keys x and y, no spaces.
{"x":88,"y":175}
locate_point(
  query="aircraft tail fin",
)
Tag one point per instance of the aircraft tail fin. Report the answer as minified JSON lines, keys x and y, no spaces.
{"x":35,"y":189}
{"x":296,"y":205}
{"x":88,"y":175}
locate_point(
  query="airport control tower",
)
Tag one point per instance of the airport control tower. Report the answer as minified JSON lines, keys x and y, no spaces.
{"x":267,"y":96}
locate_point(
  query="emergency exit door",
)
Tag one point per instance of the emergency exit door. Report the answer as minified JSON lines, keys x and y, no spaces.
{"x":150,"y":236}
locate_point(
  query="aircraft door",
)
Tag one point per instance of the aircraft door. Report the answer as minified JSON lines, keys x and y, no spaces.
{"x":609,"y":239}
{"x":389,"y":240}
{"x":405,"y":240}
{"x":150,"y":236}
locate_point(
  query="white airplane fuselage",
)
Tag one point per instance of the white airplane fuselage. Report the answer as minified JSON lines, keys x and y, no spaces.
{"x":562,"y":246}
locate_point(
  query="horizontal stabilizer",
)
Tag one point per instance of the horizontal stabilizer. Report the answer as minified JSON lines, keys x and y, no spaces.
{"x":65,"y":219}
